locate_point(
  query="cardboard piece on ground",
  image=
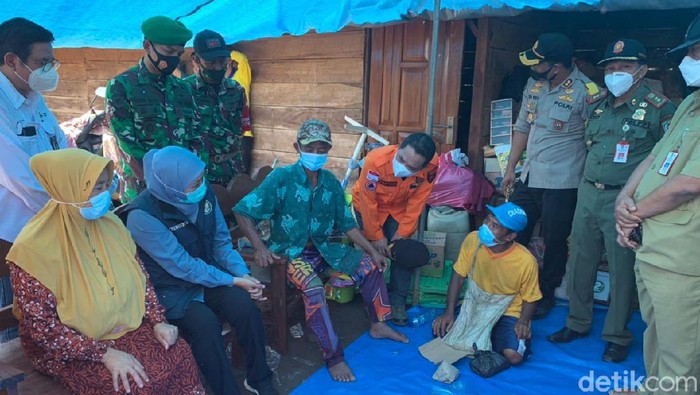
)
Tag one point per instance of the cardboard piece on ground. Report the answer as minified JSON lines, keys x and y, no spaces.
{"x":437,"y":351}
{"x":435,"y":241}
{"x":601,"y":289}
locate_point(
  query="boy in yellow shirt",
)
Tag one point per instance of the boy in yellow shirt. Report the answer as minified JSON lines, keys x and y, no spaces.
{"x":502,"y":267}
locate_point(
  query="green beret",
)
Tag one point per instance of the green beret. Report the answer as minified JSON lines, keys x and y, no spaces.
{"x":165,"y":31}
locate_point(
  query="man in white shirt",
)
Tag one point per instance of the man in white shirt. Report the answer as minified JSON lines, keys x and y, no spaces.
{"x":27,"y":127}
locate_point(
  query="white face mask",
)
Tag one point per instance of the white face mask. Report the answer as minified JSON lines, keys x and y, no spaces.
{"x":690,"y":68}
{"x":619,"y":83}
{"x":400,"y":170}
{"x":40,"y":80}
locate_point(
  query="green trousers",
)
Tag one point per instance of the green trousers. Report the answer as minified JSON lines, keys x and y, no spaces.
{"x":593,"y":228}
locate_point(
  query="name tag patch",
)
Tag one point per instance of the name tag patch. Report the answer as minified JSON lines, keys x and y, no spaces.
{"x":178,"y":226}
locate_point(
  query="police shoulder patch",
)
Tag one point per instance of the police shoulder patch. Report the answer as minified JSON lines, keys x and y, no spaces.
{"x":592,"y":88}
{"x":656,"y":99}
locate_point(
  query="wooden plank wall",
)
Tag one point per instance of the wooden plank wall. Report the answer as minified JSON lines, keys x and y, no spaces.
{"x":297,"y":78}
{"x":499,"y":42}
{"x":294,"y":78}
{"x":82,"y":70}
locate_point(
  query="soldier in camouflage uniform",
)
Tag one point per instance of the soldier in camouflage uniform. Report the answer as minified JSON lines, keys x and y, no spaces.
{"x":222,"y":104}
{"x":149,"y":107}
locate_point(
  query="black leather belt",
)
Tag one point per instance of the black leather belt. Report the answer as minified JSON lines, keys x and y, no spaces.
{"x":604,"y":186}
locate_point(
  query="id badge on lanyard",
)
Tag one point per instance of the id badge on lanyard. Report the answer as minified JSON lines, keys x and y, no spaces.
{"x":671,"y":157}
{"x":622,"y":149}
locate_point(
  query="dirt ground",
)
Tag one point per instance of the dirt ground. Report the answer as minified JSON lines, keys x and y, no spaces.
{"x":304,"y":356}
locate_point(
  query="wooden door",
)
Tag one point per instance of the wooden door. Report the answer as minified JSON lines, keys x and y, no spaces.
{"x":399,"y":77}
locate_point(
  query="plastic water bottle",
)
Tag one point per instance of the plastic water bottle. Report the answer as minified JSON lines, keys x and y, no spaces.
{"x":419,"y":316}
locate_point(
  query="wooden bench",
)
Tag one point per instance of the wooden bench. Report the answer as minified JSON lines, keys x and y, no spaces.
{"x":276,"y":306}
{"x":17,"y":374}
{"x":279,"y":300}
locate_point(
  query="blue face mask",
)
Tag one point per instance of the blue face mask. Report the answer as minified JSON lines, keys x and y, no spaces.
{"x":100,"y":205}
{"x":313,"y":162}
{"x":197,"y":195}
{"x":487,"y":238}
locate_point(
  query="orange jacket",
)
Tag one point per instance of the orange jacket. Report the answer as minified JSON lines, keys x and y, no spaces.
{"x":378,"y":193}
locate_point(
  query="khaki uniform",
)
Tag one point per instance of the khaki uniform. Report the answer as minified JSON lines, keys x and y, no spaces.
{"x":553,"y":118}
{"x":638,"y":124}
{"x":668,"y":272}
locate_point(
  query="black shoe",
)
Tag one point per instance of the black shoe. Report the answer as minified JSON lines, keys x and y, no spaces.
{"x":565,"y":335}
{"x":262,"y":387}
{"x":543,"y":308}
{"x":615,"y":353}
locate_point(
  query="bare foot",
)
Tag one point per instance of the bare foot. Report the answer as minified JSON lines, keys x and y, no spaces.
{"x":381,"y":330}
{"x":341,"y":372}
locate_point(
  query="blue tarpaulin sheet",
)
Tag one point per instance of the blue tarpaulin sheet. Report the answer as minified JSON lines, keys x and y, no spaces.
{"x":387,"y":367}
{"x":117,"y":24}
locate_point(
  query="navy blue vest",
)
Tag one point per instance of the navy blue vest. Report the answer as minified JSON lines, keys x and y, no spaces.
{"x":197,"y":239}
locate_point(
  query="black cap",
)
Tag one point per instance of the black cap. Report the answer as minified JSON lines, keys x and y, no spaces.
{"x":551,"y":47}
{"x":625,"y":49}
{"x":692,"y":37}
{"x":409,"y":253}
{"x":210,"y":45}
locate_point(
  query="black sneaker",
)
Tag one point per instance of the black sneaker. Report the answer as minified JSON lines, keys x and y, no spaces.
{"x":262,"y":387}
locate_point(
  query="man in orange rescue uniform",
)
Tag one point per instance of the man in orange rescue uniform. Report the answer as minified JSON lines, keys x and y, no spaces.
{"x":388,"y":199}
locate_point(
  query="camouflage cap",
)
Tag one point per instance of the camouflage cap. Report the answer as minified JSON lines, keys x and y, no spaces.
{"x":314,"y":130}
{"x":165,"y":31}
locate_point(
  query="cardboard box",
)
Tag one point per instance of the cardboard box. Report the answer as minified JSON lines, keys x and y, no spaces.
{"x":435,"y":241}
{"x":601,"y":289}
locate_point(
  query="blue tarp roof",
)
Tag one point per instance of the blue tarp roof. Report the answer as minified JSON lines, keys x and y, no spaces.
{"x":117,"y":24}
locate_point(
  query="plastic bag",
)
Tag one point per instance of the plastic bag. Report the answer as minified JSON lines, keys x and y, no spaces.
{"x":487,"y":363}
{"x":459,"y":187}
{"x":446,"y":373}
